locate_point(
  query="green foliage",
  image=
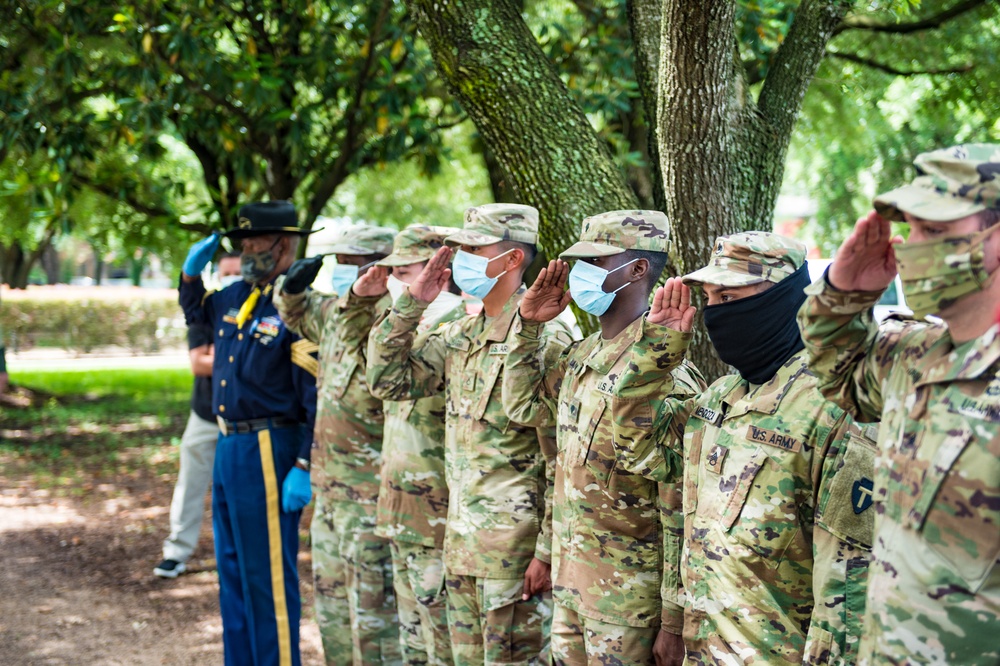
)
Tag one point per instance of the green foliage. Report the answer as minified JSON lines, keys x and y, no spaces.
{"x":413,"y":198}
{"x":862,"y":126}
{"x":111,"y":422}
{"x":142,"y":325}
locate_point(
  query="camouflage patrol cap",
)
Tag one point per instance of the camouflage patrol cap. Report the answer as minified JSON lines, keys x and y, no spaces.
{"x":749,"y":258}
{"x":363,"y":240}
{"x":620,"y":230}
{"x":416,"y":243}
{"x":492,"y":223}
{"x":953,"y":183}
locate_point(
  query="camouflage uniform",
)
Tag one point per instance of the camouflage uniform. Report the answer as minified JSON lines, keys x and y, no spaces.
{"x":607,"y":547}
{"x":413,"y":495}
{"x":934,"y":589}
{"x":499,"y":476}
{"x":777,"y":527}
{"x":352,"y":566}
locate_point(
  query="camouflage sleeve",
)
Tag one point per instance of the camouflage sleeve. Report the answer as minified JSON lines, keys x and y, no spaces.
{"x":652,"y":402}
{"x":672,"y":523}
{"x":402,"y":365}
{"x":841,"y":337}
{"x":555,"y":337}
{"x":530,"y":388}
{"x":842,"y":540}
{"x":303,"y":313}
{"x":356,"y":316}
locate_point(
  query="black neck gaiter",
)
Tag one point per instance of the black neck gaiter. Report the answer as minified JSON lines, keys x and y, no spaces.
{"x":757,"y":334}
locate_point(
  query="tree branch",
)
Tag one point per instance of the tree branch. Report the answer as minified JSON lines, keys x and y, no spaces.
{"x":889,"y":69}
{"x":928,"y":23}
{"x":336,"y":172}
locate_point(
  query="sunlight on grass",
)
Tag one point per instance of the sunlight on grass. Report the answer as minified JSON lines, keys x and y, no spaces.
{"x":107,"y":422}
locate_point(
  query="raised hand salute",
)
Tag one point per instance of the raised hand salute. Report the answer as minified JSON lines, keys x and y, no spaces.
{"x":547,"y":297}
{"x":372,"y":282}
{"x":434,"y":278}
{"x":866,"y":261}
{"x":672,"y":306}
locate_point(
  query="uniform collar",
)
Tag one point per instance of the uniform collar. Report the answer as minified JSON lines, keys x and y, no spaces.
{"x":608,"y":352}
{"x":498,"y":329}
{"x":944,"y":362}
{"x":768,"y":396}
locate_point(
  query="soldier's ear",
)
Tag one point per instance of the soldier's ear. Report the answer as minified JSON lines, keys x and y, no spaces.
{"x":639,"y":270}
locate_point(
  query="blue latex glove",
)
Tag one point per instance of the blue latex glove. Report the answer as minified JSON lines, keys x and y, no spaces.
{"x":295,"y":491}
{"x":200,"y":254}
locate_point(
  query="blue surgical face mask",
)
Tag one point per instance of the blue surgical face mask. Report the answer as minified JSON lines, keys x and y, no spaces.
{"x":469,"y":273}
{"x":586,"y":286}
{"x":344,"y":275}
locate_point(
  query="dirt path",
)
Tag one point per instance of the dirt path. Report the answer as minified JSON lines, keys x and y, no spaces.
{"x":76,"y":583}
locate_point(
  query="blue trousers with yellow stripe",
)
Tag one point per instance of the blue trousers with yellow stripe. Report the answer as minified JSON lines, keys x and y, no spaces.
{"x":256,"y":545}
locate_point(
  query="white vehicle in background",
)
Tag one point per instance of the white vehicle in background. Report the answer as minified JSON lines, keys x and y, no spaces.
{"x":892,"y":300}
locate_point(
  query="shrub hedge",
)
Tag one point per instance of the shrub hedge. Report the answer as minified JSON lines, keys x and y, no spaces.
{"x":141,"y":325}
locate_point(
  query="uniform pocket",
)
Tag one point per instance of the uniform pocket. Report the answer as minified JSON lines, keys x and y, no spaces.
{"x":512,"y":626}
{"x":821,"y":648}
{"x":588,"y":427}
{"x":956,"y":509}
{"x":337,"y":372}
{"x":488,"y":407}
{"x":758,"y":512}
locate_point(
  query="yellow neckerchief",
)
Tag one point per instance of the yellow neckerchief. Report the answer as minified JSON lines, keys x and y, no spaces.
{"x":248,"y":305}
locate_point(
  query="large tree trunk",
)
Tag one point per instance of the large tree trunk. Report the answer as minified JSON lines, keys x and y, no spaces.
{"x":16,"y":266}
{"x":723,"y":155}
{"x":544,"y":146}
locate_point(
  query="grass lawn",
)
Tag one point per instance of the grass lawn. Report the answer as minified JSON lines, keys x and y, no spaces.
{"x":84,"y":425}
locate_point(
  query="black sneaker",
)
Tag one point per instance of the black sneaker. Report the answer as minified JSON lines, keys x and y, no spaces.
{"x":170,"y":569}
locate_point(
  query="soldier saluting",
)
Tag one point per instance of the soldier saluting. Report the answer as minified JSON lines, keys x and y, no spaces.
{"x":934,"y":587}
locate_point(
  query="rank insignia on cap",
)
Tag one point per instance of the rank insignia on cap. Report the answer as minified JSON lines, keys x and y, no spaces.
{"x":861,"y":494}
{"x":244,"y":223}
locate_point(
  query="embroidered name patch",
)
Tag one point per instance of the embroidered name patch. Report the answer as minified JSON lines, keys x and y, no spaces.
{"x":772,"y":438}
{"x":977,"y":409}
{"x":710,"y":415}
{"x":499,"y":348}
{"x":606,"y":385}
{"x":713,"y":463}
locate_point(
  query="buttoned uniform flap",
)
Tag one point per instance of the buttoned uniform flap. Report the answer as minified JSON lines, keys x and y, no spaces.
{"x":957,"y":507}
{"x":847,"y":489}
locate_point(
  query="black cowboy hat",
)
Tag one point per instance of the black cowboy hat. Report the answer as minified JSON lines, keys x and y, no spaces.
{"x":267,"y":217}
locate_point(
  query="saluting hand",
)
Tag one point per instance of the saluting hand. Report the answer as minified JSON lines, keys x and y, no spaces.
{"x":301,"y":274}
{"x":372,"y":282}
{"x":434,"y":278}
{"x":672,"y":306}
{"x":547,"y":297}
{"x":866,"y":261}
